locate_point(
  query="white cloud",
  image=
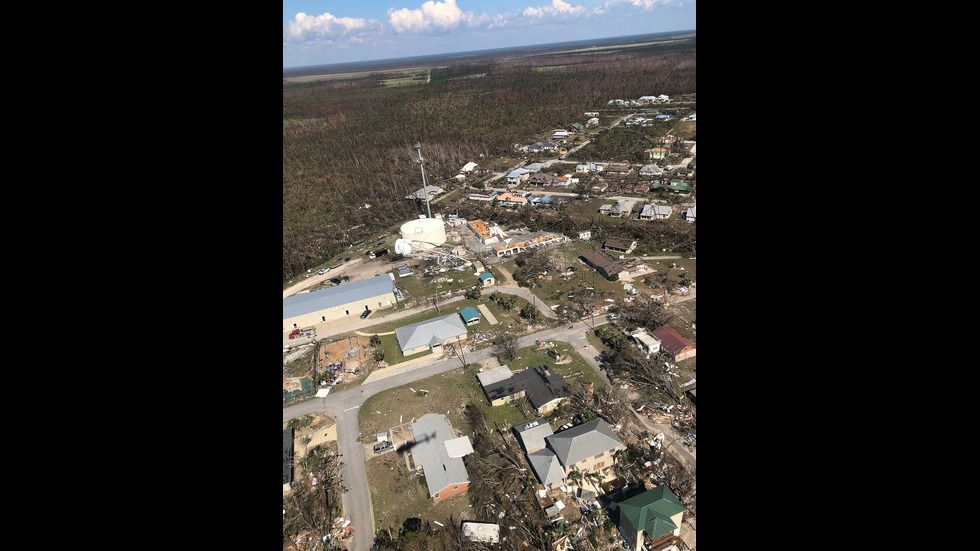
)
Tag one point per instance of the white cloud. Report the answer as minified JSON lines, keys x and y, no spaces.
{"x":557,"y":7}
{"x":431,"y":16}
{"x":307,"y":27}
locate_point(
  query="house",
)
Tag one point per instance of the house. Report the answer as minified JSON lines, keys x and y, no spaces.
{"x":585,"y":235}
{"x":592,"y":122}
{"x":439,"y":454}
{"x":677,"y":186}
{"x":499,"y":386}
{"x":589,"y":447}
{"x":544,"y":389}
{"x":673,"y":342}
{"x":542,"y":179}
{"x":577,"y":126}
{"x":470,"y":167}
{"x":541,"y":146}
{"x":610,"y":266}
{"x":589,"y":167}
{"x":619,"y":244}
{"x":623,"y":208}
{"x":337,"y":302}
{"x":470,"y":315}
{"x":560,"y":134}
{"x":657,"y":153}
{"x":691,"y":215}
{"x":655,"y":212}
{"x":483,"y":195}
{"x":618,"y":168}
{"x":651,"y":170}
{"x":487,"y":279}
{"x":431,"y":191}
{"x":517,"y":176}
{"x":431,"y":334}
{"x":645,"y":341}
{"x":508,"y":198}
{"x":653,"y":518}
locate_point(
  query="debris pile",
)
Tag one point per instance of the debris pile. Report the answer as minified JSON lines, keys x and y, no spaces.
{"x":342,"y":529}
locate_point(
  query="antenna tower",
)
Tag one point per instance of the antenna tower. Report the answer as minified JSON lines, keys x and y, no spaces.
{"x":425,"y":187}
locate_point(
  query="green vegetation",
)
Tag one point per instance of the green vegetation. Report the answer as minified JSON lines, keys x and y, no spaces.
{"x":358,"y":131}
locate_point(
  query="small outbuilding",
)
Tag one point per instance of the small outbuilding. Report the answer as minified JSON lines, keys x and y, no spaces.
{"x":470,"y":315}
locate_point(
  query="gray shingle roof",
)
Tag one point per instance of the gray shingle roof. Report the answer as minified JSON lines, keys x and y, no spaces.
{"x":584,"y":441}
{"x":431,"y":331}
{"x":541,"y":385}
{"x":345,"y":293}
{"x":429,"y":451}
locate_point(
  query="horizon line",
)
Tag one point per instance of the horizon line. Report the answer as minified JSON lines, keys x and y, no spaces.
{"x":470,"y":52}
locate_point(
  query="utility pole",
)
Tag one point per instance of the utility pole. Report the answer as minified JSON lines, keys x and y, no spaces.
{"x":425,"y":187}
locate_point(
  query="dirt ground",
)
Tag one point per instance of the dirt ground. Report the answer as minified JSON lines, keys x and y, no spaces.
{"x":323,"y":430}
{"x":358,"y":268}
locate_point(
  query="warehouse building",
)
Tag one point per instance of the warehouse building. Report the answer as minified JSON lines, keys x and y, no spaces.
{"x":347,"y":300}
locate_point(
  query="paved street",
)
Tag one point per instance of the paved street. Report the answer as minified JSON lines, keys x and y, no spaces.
{"x":343,"y":407}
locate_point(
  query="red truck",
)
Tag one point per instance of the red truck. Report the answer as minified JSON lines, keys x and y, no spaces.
{"x":305,"y":332}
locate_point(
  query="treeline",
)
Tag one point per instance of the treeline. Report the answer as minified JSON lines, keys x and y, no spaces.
{"x":348,"y":168}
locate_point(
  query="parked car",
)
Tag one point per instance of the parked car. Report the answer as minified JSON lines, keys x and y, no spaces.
{"x":323,"y":271}
{"x":365,"y":314}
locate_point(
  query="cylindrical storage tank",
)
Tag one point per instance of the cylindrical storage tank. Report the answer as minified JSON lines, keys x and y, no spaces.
{"x":424,"y":233}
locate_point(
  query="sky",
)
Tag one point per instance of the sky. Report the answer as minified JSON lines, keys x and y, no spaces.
{"x":319,"y":32}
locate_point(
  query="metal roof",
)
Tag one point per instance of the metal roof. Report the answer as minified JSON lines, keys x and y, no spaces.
{"x":533,"y":438}
{"x":546,"y":466}
{"x":584,"y":441}
{"x":435,"y":330}
{"x":651,"y":511}
{"x":458,"y":447}
{"x":469,"y":313}
{"x":494,"y":375}
{"x":671,"y":340}
{"x":429,"y":451}
{"x":344,"y":293}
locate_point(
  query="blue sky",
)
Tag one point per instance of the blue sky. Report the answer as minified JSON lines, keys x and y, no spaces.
{"x":339,"y":31}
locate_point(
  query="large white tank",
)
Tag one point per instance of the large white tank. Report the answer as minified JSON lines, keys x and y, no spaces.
{"x":424,"y":233}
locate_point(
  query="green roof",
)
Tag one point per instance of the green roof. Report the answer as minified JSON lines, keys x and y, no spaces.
{"x":651,"y":511}
{"x":469,"y":313}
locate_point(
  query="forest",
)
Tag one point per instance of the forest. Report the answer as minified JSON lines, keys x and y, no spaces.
{"x":348,"y":144}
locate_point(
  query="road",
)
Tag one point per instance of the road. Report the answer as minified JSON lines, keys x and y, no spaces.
{"x":343,"y":408}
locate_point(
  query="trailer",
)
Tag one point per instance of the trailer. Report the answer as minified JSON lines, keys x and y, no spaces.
{"x":305,"y":332}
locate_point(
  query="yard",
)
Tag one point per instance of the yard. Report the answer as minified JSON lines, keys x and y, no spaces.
{"x":396,"y":492}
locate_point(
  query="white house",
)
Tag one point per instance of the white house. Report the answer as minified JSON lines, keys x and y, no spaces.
{"x":518,"y":176}
{"x":470,"y":167}
{"x":655,"y":212}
